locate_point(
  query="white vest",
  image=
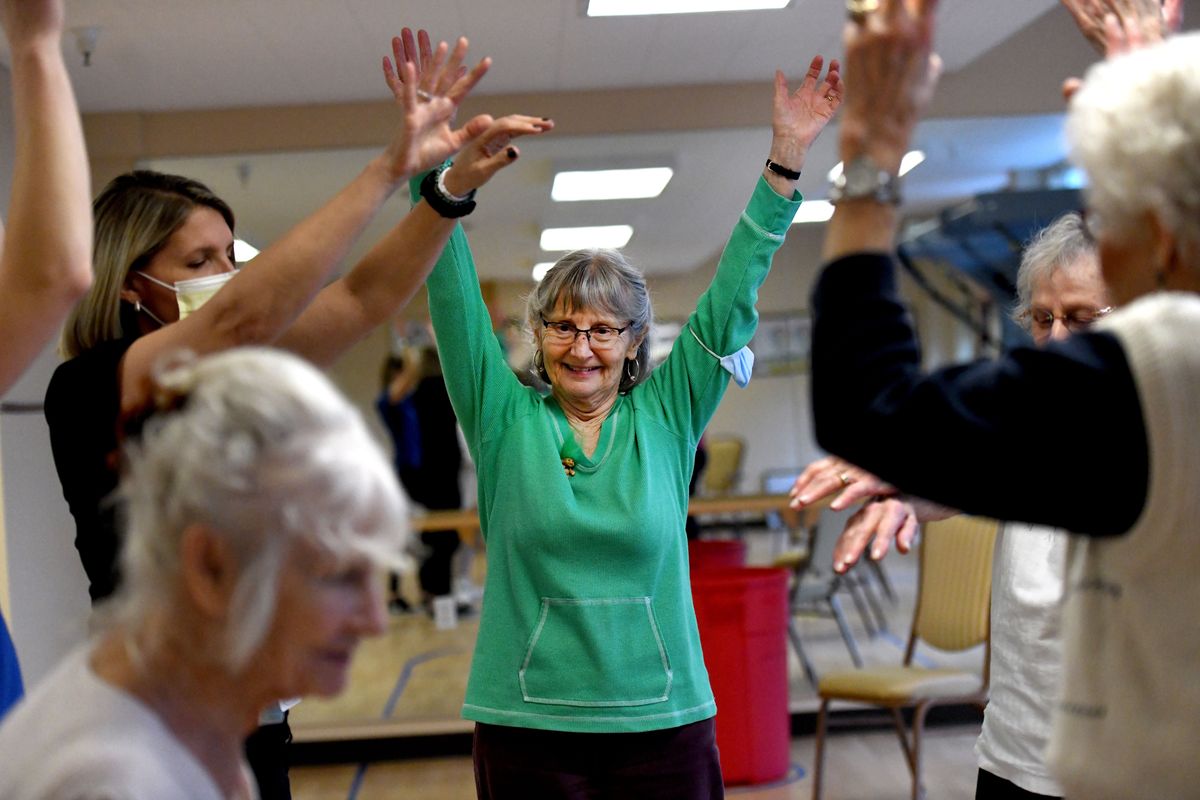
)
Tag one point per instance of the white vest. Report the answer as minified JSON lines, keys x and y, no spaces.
{"x":1128,"y":720}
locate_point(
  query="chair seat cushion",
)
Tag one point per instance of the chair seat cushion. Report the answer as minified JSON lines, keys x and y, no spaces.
{"x":891,"y":685}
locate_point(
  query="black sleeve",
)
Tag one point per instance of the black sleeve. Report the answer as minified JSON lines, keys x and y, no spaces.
{"x":1051,"y":435}
{"x":82,"y":408}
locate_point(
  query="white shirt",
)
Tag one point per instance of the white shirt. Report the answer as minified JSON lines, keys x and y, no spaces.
{"x":1027,"y":592}
{"x":77,"y":737}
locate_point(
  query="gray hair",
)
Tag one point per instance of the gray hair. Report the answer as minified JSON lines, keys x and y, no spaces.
{"x":1134,"y":127}
{"x":260,"y":447}
{"x":1060,"y":244}
{"x":596,"y":279}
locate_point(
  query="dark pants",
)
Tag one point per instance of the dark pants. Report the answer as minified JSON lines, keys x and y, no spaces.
{"x":267,"y":752}
{"x":673,"y":764}
{"x":993,"y":787}
{"x":436,"y":572}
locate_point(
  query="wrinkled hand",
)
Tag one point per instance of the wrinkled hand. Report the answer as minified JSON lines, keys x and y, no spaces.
{"x":891,"y":72}
{"x":882,"y":523}
{"x":1133,"y":23}
{"x":429,"y":84}
{"x":831,"y":475}
{"x":491,"y":151}
{"x":26,"y":21}
{"x":799,"y":117}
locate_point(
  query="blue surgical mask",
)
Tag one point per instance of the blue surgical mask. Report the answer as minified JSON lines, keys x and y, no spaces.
{"x":740,"y":364}
{"x":192,"y":293}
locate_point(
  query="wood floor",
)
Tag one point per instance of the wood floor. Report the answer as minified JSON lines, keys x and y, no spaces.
{"x":859,"y":766}
{"x":411,"y":681}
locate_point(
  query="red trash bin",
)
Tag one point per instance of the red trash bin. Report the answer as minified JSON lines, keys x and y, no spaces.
{"x":707,"y":554}
{"x":742,"y":615}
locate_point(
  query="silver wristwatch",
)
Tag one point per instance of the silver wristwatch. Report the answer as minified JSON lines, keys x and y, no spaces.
{"x":863,"y":179}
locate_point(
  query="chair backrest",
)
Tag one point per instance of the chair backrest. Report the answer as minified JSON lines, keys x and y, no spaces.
{"x":955,"y":586}
{"x":724,"y":465}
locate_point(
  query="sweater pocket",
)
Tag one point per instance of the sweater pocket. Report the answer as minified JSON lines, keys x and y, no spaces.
{"x":603,"y":652}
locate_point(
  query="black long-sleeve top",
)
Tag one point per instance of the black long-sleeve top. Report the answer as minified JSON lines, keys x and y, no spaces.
{"x":1052,"y":435}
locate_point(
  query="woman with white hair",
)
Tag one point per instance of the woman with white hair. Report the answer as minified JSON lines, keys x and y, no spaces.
{"x":1059,"y":292}
{"x":259,"y":513}
{"x":1121,"y":466}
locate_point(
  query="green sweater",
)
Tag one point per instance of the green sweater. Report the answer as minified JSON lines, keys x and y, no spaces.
{"x":587,"y":620}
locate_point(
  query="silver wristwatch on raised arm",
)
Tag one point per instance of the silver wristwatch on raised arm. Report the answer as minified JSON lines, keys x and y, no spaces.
{"x":863,"y":179}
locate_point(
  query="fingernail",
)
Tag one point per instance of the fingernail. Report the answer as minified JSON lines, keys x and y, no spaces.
{"x":512,"y":152}
{"x":802,"y":499}
{"x":839,"y":567}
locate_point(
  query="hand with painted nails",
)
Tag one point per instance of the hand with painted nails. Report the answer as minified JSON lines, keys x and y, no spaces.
{"x":491,"y":151}
{"x":429,"y":84}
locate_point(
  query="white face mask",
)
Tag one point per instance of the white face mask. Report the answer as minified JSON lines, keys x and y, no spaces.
{"x":193,"y":292}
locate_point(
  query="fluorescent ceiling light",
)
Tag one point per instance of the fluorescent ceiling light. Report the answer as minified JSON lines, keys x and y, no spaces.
{"x":541,"y":268}
{"x":610,"y":236}
{"x":610,"y":184}
{"x":625,"y":8}
{"x":813,"y":211}
{"x":243,"y":251}
{"x":911,"y":159}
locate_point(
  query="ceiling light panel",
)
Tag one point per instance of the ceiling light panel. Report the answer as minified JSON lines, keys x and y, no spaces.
{"x":626,"y":8}
{"x":610,"y":184}
{"x":609,"y":236}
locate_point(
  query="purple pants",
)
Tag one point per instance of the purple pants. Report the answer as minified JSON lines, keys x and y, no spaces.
{"x":672,"y":764}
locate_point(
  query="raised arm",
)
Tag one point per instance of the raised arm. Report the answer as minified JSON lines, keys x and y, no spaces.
{"x":391,"y":273}
{"x":46,"y":264}
{"x":266,"y":298}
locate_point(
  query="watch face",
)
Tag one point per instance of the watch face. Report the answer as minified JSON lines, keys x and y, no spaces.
{"x":863,"y":178}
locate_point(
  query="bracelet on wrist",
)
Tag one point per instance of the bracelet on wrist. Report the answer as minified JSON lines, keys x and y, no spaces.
{"x":782,"y":171}
{"x":433,"y":190}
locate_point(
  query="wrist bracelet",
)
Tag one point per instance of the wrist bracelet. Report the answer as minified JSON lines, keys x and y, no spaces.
{"x":782,"y":171}
{"x":440,"y":200}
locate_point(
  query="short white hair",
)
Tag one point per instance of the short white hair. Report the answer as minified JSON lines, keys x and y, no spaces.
{"x":1059,"y":245}
{"x":1134,"y":127}
{"x":260,"y":447}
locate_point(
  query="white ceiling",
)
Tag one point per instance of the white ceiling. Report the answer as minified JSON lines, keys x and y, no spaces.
{"x":157,"y":55}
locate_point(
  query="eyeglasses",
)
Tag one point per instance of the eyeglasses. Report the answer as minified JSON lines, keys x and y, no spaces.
{"x":1075,"y":321}
{"x":600,"y":337}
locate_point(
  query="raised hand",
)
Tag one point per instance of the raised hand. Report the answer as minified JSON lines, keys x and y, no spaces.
{"x":833,"y":475}
{"x":491,"y":151}
{"x":430,"y":84}
{"x":1117,"y":26}
{"x":891,"y":72}
{"x":31,"y":20}
{"x":802,"y":115}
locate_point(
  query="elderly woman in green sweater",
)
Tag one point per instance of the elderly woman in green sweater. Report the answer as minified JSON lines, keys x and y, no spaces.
{"x":587,"y":678}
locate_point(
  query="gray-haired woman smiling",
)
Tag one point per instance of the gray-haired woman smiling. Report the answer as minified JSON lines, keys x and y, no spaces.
{"x":258,"y":509}
{"x":587,"y":678}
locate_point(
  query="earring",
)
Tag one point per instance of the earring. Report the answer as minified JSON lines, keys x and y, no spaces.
{"x":137,"y":306}
{"x":632,"y":375}
{"x":539,"y":365}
